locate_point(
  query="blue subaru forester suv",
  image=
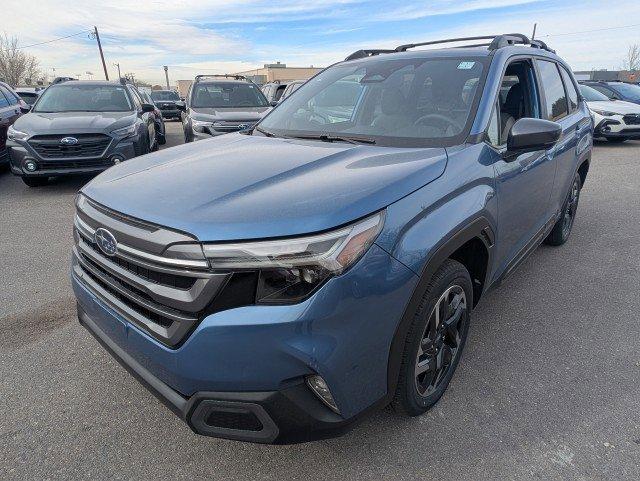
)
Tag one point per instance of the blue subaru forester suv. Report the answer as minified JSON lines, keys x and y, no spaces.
{"x":277,"y":285}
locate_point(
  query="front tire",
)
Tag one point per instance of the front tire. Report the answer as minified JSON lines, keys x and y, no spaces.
{"x":562,"y":228}
{"x":435,"y":340}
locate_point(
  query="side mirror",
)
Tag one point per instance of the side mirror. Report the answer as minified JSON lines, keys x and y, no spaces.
{"x":181,"y":105}
{"x":25,"y":108}
{"x":531,"y":135}
{"x":273,"y":103}
{"x":146,"y":108}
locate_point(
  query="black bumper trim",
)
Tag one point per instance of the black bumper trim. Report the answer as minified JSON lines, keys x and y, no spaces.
{"x":290,"y":415}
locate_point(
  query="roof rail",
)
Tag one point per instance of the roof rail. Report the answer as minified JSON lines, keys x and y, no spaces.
{"x":223,"y":75}
{"x":493,"y":42}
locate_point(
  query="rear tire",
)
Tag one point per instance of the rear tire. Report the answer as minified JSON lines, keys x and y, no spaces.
{"x":562,"y":228}
{"x":35,"y":181}
{"x":435,"y":340}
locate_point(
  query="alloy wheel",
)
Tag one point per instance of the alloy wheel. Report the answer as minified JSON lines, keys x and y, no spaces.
{"x":570,"y":209}
{"x":441,"y":340}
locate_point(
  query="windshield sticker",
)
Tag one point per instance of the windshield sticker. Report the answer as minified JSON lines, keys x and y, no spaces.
{"x":466,"y":65}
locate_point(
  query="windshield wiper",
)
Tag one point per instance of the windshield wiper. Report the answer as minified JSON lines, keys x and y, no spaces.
{"x":335,"y":138}
{"x":266,"y":133}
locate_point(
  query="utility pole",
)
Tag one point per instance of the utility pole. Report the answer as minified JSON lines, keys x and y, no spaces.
{"x":119,"y":75}
{"x":104,"y":65}
{"x":535,"y":25}
{"x":166,"y":76}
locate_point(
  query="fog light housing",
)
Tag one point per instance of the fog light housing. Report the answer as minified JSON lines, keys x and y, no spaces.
{"x":30,"y":166}
{"x":320,"y":388}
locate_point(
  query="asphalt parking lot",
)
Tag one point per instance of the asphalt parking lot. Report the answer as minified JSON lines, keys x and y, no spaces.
{"x":548,"y":387}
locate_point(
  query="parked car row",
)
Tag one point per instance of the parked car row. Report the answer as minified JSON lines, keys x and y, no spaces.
{"x":615,"y":107}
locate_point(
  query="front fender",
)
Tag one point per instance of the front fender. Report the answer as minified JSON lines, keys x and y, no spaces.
{"x":429,"y":225}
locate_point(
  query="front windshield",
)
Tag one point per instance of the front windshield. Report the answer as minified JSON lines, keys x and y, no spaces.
{"x":83,"y":98}
{"x":592,"y":95}
{"x":627,"y":90}
{"x":227,"y":95}
{"x":394,"y":101}
{"x":164,"y":95}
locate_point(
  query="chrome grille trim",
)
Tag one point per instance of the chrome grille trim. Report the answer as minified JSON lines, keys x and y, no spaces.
{"x":166,"y":297}
{"x":133,"y":253}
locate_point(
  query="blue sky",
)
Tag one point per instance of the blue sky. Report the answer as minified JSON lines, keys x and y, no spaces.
{"x":220,"y":36}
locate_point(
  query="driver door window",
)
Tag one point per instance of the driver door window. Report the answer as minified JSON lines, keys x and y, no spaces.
{"x":517,"y":99}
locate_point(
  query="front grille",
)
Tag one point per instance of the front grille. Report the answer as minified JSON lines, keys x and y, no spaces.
{"x":88,"y":145}
{"x":631,"y":119}
{"x":165,"y":296}
{"x":75,"y":164}
{"x":168,"y":107}
{"x":171,"y":280}
{"x":233,"y":126}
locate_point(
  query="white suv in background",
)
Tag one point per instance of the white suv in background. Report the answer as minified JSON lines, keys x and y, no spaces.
{"x":614,"y":120}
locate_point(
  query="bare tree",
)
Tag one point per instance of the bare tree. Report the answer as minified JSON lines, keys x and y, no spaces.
{"x":632,"y":62}
{"x":17,"y":66}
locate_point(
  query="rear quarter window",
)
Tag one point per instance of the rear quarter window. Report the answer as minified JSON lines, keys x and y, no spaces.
{"x":572,"y":93}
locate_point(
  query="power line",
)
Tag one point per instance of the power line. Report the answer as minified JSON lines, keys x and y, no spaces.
{"x":52,"y":40}
{"x":588,"y":31}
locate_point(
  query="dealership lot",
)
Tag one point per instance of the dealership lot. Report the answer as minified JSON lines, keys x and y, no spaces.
{"x":547,"y":387}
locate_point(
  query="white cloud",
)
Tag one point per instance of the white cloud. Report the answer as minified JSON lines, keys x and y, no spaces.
{"x":143,"y":36}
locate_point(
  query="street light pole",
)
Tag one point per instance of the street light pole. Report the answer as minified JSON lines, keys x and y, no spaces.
{"x":119,"y":75}
{"x":104,"y":65}
{"x":166,"y":76}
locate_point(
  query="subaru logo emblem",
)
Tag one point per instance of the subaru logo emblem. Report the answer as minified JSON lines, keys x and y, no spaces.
{"x":68,"y":141}
{"x":106,"y":242}
{"x":243,"y":126}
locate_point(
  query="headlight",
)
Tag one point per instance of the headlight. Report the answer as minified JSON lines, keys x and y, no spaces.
{"x":13,"y":134}
{"x":289,"y":270}
{"x":125,"y":132}
{"x":200,"y":125}
{"x":605,"y":113}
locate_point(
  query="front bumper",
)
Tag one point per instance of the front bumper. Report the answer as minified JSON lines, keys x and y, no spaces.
{"x":615,"y":127}
{"x":21,"y":152}
{"x":290,"y":415}
{"x":259,"y":356}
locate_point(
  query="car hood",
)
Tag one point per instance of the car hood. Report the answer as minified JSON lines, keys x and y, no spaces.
{"x":241,"y":113}
{"x":237,"y":186}
{"x":36,"y":123}
{"x":617,"y":106}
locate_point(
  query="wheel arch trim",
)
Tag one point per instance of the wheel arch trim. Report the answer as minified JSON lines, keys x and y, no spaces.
{"x":478,"y":228}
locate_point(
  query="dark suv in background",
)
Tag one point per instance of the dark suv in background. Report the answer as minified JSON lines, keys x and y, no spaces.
{"x":167,"y":100}
{"x":80,"y":127}
{"x":11,"y":107}
{"x":219,"y":104}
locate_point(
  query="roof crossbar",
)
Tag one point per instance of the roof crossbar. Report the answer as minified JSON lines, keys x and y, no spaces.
{"x":220,"y":75}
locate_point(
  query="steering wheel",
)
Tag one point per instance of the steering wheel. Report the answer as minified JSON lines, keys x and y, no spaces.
{"x":438,"y":119}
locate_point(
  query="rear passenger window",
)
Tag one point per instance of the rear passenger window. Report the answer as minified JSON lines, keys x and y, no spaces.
{"x":553,"y":90}
{"x":572,"y":94}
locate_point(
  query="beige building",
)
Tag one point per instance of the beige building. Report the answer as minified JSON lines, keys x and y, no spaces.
{"x":279,"y":71}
